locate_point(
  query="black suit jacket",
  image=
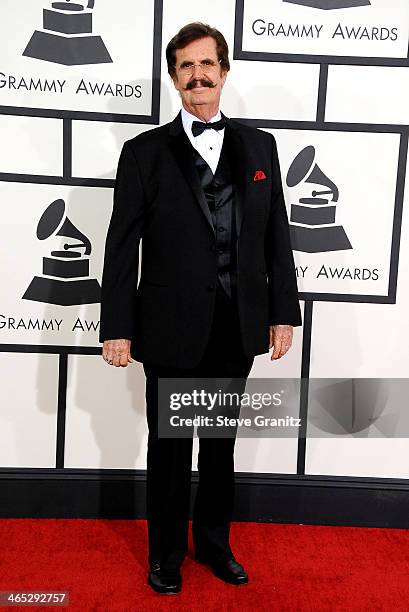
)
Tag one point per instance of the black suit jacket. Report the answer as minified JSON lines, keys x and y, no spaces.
{"x":158,"y":198}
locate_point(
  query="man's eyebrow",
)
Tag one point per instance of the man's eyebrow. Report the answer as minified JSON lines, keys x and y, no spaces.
{"x":205,"y":59}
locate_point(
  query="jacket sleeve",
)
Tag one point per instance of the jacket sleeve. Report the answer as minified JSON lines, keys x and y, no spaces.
{"x":284,"y":307}
{"x":121,"y":258}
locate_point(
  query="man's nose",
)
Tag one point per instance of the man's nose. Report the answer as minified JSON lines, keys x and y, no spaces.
{"x":199,"y":67}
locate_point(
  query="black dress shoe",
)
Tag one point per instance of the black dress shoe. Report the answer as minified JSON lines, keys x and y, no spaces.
{"x":230,"y":571}
{"x":166,"y":584}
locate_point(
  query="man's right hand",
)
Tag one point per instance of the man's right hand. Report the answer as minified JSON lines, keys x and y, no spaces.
{"x":117,"y":352}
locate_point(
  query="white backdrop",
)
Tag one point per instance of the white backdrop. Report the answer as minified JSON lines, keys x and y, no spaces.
{"x":63,"y":144}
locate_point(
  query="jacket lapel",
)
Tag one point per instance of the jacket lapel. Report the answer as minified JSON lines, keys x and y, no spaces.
{"x":182,"y":150}
{"x":236,"y":151}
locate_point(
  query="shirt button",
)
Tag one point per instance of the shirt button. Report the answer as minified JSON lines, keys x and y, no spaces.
{"x":221,"y":229}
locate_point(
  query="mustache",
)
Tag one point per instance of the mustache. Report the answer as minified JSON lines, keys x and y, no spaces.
{"x":200,"y":83}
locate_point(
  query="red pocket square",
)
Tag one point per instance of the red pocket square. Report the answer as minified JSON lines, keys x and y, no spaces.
{"x":259,"y":176}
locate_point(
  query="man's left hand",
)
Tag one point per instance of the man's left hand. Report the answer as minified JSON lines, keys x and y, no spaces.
{"x":281,"y":337}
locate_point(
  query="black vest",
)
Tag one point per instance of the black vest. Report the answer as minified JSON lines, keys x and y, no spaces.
{"x":219,"y":192}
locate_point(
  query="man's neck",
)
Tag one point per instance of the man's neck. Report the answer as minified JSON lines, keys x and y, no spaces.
{"x":202,"y":111}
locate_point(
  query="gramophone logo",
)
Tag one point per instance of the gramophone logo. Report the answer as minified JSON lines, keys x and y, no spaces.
{"x":318,"y":232}
{"x":329,"y":5}
{"x":65,"y":274}
{"x":67,"y":37}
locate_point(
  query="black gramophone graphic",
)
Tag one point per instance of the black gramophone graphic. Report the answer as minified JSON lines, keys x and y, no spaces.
{"x":329,"y":5}
{"x":67,"y":37}
{"x":69,"y":264}
{"x":318,"y":232}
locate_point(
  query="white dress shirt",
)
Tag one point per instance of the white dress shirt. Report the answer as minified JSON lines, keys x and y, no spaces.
{"x":209,"y":142}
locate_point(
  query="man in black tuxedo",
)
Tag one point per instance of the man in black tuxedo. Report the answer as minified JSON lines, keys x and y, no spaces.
{"x":217,"y":287}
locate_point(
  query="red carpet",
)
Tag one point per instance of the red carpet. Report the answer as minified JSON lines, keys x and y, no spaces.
{"x":291,"y":567}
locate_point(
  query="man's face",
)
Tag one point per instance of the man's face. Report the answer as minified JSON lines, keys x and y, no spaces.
{"x":199,"y":77}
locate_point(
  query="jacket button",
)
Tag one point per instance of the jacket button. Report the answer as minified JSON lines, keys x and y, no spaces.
{"x":210,"y":287}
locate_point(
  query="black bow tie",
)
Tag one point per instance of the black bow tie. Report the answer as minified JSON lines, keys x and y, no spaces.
{"x":198,"y":127}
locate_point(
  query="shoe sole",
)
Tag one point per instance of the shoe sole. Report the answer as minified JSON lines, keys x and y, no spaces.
{"x":237,"y":583}
{"x":157,"y":590}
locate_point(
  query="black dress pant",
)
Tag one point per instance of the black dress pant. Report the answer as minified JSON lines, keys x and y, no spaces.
{"x":169,"y":460}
